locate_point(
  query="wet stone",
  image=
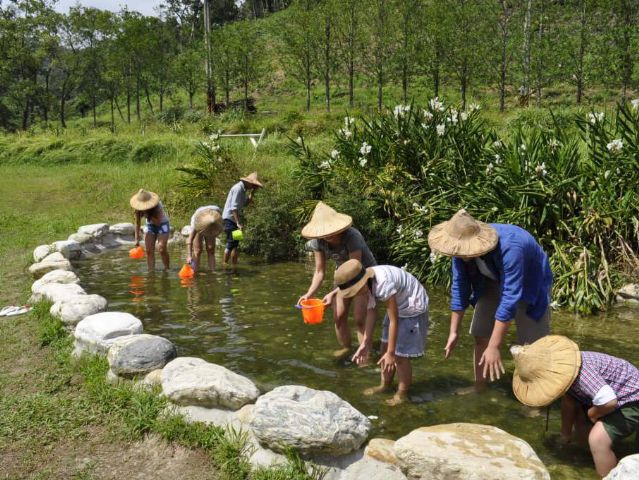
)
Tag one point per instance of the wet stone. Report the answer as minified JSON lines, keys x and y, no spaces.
{"x":139,"y":355}
{"x":96,"y":333}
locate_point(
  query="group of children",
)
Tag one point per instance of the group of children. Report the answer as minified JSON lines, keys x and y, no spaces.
{"x":499,"y":269}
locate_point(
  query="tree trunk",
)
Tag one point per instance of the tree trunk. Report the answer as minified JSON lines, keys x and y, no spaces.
{"x":582,"y":51}
{"x":210,"y":87}
{"x":351,"y":55}
{"x":191,"y":93}
{"x":525,"y":88}
{"x":45,"y":109}
{"x":227,"y":86}
{"x":112,"y":116}
{"x":327,"y":63}
{"x":117,"y":105}
{"x":137,"y":97}
{"x":93,"y":108}
{"x":148,"y":98}
{"x":308,"y":82}
{"x":380,"y":87}
{"x":539,"y":81}
{"x":464,"y":86}
{"x":63,"y":123}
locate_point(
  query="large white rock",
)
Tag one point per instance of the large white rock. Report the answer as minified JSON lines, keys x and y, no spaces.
{"x":55,"y":276}
{"x":126,"y":229}
{"x":626,"y":469}
{"x":54,"y":261}
{"x":139,"y":355}
{"x":41,"y":252}
{"x":96,"y":333}
{"x":467,"y":451}
{"x":81,"y":238}
{"x":71,"y":310}
{"x":310,"y":421}
{"x":55,"y":292}
{"x":186,"y":230}
{"x":370,"y":469}
{"x":193,"y":381}
{"x":96,"y":230}
{"x":628,"y":293}
{"x":68,"y":248}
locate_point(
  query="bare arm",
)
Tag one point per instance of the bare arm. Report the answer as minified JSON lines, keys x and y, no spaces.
{"x":455,"y":322}
{"x":387,"y":362}
{"x":137,"y":215}
{"x":318,"y":276}
{"x":491,"y":358}
{"x":236,"y":218}
{"x":189,"y":246}
{"x":597,"y":411}
{"x":568,"y":417}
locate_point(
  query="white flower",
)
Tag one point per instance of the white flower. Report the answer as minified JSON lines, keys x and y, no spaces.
{"x":433,"y":257}
{"x":615,"y":146}
{"x":215,"y":147}
{"x":489,"y":168}
{"x":522,"y":147}
{"x":298,"y":139}
{"x":345,"y":132}
{"x":419,"y":233}
{"x":593,"y":118}
{"x":497,"y":158}
{"x":473,"y":106}
{"x":441,"y":129}
{"x":365,"y":149}
{"x":399,"y":230}
{"x":348,"y":121}
{"x":464,"y":116}
{"x":334,"y":154}
{"x":419,"y":208}
{"x":435,"y":104}
{"x":554,"y":305}
{"x":540,"y":170}
{"x":214,"y":136}
{"x":497,"y":144}
{"x":554,"y":144}
{"x":425,"y":126}
{"x":363,"y":161}
{"x":325,"y":165}
{"x":635,"y":104}
{"x":401,"y":110}
{"x":427,"y":115}
{"x":606,"y":174}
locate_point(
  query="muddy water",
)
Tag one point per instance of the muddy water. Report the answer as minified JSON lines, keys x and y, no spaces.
{"x":246,"y":320}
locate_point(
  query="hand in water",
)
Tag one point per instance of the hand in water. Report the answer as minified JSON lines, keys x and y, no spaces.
{"x":387,"y":362}
{"x":491,"y":360}
{"x":450,"y":344}
{"x":361,"y":355}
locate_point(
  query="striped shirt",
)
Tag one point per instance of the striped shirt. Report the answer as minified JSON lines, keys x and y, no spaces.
{"x":600,"y":371}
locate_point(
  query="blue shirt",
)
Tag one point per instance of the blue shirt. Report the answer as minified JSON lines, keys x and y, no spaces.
{"x":521,"y":267}
{"x":235,"y":200}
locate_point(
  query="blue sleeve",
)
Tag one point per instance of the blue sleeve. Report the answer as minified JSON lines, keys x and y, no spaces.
{"x":234,"y":195}
{"x":460,"y":288}
{"x":513,"y":282}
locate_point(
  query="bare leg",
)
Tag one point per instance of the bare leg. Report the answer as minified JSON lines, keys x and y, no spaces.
{"x":164,"y":252}
{"x":601,"y":449}
{"x":386,"y":382}
{"x":404,"y":377}
{"x":340,"y":315}
{"x":210,"y":252}
{"x":227,"y":253}
{"x":197,"y":251}
{"x":149,"y":244}
{"x":234,"y":256}
{"x":360,"y":310}
{"x":481,"y":382}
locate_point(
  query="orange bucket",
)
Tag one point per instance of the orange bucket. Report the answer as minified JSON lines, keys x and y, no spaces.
{"x":136,"y":253}
{"x":186,"y":271}
{"x":312,"y":310}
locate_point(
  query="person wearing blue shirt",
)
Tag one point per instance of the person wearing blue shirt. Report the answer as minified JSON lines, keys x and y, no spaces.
{"x":236,"y":200}
{"x":504,"y":273}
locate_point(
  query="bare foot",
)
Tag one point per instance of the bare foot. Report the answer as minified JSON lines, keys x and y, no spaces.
{"x":398,"y":399}
{"x":341,"y":353}
{"x":376,"y":390}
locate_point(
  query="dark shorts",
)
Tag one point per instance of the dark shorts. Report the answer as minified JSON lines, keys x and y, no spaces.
{"x":162,"y":229}
{"x":411,"y":335}
{"x":229,"y":226}
{"x":623,"y":422}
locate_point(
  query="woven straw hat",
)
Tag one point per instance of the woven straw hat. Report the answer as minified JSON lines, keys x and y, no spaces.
{"x":144,"y":200}
{"x":350,"y":277}
{"x":208,"y":221}
{"x":463,"y":236}
{"x":326,"y":222}
{"x":545,"y":370}
{"x":252,"y":179}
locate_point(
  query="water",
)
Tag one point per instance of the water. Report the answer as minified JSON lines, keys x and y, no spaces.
{"x":246,"y":321}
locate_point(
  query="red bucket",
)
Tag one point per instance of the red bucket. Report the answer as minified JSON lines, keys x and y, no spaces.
{"x":312,"y":310}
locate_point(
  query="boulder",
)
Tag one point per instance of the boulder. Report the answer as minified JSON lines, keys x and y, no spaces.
{"x":186,"y":230}
{"x":139,"y":355}
{"x":96,"y":230}
{"x":371,"y":469}
{"x":81,"y":238}
{"x":193,"y":381}
{"x":382,"y":450}
{"x":310,"y":421}
{"x":69,"y":249}
{"x":628,"y":293}
{"x":626,"y":469}
{"x":71,"y":310}
{"x":96,"y":333}
{"x":53,"y":261}
{"x":152,"y":379}
{"x":467,"y":451}
{"x":55,"y":276}
{"x":125,"y":229}
{"x":41,"y":252}
{"x":55,"y":292}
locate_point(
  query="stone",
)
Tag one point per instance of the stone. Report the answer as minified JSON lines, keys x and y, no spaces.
{"x":68,"y":248}
{"x":125,"y":229}
{"x":210,"y":416}
{"x":193,"y":381}
{"x":53,"y":261}
{"x":152,"y":378}
{"x":55,"y":292}
{"x":628,"y":293}
{"x":381,"y":449}
{"x":55,"y":276}
{"x":96,"y":333}
{"x":41,"y":252}
{"x":310,"y":421}
{"x":81,"y":238}
{"x":139,"y":355}
{"x":371,"y":469}
{"x":186,"y":230}
{"x":72,"y":310}
{"x":467,"y":451}
{"x":96,"y":230}
{"x":626,"y":469}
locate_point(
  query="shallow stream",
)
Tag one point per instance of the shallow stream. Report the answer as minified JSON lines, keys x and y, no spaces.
{"x":246,"y":321}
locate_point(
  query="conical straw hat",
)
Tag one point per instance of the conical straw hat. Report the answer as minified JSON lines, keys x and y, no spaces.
{"x":325,"y":222}
{"x":350,"y":277}
{"x":545,"y":370}
{"x":208,"y":221}
{"x":144,"y":200}
{"x":463,"y":236}
{"x":252,"y":179}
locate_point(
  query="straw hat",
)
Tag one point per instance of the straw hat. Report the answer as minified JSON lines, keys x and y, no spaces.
{"x":208,"y":221}
{"x":350,"y":277}
{"x":545,"y":370}
{"x":326,"y":222}
{"x":144,"y":200}
{"x":252,"y":179}
{"x":463,"y":236}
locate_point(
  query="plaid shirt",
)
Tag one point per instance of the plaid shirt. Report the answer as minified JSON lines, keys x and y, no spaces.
{"x":598,"y":370}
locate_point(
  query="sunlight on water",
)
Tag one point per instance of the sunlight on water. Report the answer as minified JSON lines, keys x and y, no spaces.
{"x":246,"y":321}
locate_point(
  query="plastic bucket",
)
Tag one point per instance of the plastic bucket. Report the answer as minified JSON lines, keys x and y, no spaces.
{"x":312,"y":310}
{"x":186,"y":271}
{"x":237,"y":235}
{"x":136,"y":253}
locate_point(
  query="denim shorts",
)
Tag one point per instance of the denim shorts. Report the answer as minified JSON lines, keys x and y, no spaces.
{"x":411,"y":335}
{"x":229,"y":226}
{"x":161,"y":229}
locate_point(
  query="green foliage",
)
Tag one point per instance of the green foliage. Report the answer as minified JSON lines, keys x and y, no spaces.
{"x":232,"y":453}
{"x":295,"y":469}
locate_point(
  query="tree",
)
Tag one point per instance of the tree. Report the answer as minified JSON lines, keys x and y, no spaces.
{"x":188,"y":70}
{"x":377,"y":57}
{"x":248,"y":55}
{"x":225,"y":44}
{"x":349,"y":39}
{"x":409,"y":13}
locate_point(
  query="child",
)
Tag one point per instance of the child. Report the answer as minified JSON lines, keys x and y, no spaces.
{"x":157,"y":228}
{"x":405,"y":323}
{"x":333,"y":237}
{"x":236,"y":200}
{"x":206,"y":225}
{"x":603,"y":387}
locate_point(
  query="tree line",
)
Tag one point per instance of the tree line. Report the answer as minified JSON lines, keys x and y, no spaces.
{"x":55,"y":65}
